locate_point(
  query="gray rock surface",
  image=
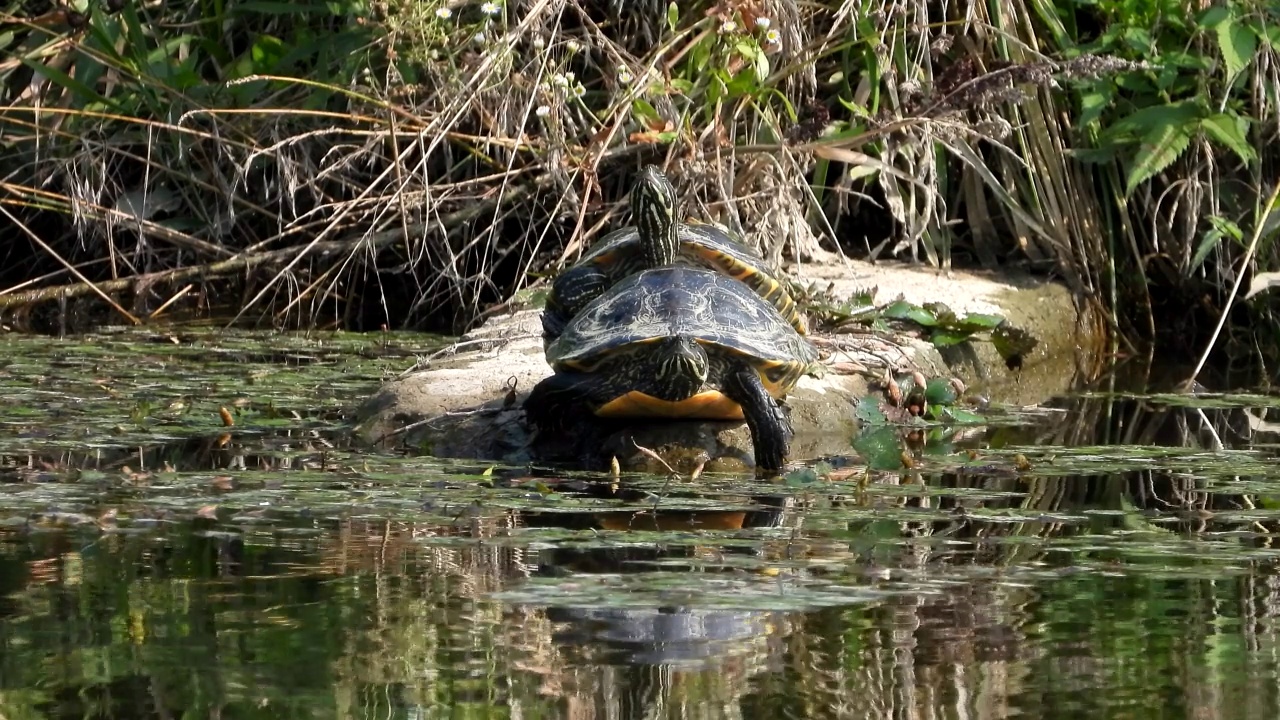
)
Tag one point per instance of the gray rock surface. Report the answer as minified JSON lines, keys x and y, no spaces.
{"x":464,"y":402}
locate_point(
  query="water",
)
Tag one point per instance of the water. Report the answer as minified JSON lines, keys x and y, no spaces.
{"x":1111,"y":556}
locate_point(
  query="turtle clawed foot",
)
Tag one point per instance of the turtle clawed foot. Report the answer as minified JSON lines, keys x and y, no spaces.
{"x":771,"y":430}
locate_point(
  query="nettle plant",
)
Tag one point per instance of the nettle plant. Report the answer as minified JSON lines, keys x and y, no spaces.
{"x":1198,"y":86}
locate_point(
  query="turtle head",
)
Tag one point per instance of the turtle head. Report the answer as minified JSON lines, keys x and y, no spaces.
{"x":682,"y":363}
{"x":653,"y":210}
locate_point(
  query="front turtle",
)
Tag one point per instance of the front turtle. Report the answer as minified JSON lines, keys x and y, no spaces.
{"x":655,"y":231}
{"x":677,"y":342}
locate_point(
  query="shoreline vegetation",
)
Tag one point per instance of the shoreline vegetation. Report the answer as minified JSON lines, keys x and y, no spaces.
{"x":415,"y":164}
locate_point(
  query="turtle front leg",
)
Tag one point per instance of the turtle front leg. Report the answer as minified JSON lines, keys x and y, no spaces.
{"x":770,"y":429}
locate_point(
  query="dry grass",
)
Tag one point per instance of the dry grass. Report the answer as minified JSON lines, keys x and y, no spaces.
{"x":467,"y":157}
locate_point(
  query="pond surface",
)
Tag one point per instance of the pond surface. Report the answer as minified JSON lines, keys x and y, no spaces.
{"x":1110,"y":555}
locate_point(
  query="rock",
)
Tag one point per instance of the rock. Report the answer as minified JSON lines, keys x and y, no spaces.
{"x":465,"y":400}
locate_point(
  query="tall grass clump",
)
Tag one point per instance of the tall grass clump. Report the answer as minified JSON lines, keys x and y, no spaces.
{"x":407,"y":162}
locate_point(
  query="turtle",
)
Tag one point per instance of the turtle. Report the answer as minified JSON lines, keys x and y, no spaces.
{"x":677,"y":341}
{"x":629,"y":249}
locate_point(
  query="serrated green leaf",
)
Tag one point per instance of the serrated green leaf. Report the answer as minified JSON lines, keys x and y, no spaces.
{"x":1161,"y":146}
{"x":1233,"y":131}
{"x":1237,"y":43}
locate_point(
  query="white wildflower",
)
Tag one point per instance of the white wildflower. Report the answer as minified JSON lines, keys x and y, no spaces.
{"x":772,"y":37}
{"x":542,"y":111}
{"x":539,"y":43}
{"x":578,"y":90}
{"x":491,"y":8}
{"x":478,"y":38}
{"x":763,"y":23}
{"x":559,"y":80}
{"x":444,"y":13}
{"x":573,"y":46}
{"x":625,"y":77}
{"x":728,"y":26}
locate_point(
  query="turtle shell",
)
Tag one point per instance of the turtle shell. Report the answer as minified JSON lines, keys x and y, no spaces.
{"x":707,"y":245}
{"x":722,"y":314}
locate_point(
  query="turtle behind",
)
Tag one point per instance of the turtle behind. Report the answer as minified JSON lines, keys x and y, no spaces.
{"x":628,"y":250}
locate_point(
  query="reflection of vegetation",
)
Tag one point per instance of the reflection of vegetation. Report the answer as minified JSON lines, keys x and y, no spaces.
{"x":1124,"y":561}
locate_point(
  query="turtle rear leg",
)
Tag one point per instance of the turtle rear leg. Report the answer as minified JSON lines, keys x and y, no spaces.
{"x":557,"y":401}
{"x":770,"y":428}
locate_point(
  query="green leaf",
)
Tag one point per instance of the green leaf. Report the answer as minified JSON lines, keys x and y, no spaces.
{"x":940,"y":391}
{"x":1095,"y":156}
{"x":1238,"y":45}
{"x":1012,"y":342}
{"x":762,"y":66}
{"x":977,"y":321}
{"x":1141,"y":122}
{"x":1215,"y":16}
{"x":66,"y":82}
{"x":1231,"y":130}
{"x":1269,"y":34}
{"x":944,"y":337}
{"x":801,"y":477}
{"x":744,"y":83}
{"x":1094,"y":103}
{"x":868,"y":411}
{"x":673,"y":16}
{"x":880,"y":448}
{"x":1160,"y":148}
{"x":1222,"y":227}
{"x":903,"y":310}
{"x":646,"y":112}
{"x":960,"y":415}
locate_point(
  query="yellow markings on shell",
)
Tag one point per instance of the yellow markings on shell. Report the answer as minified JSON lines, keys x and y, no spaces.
{"x":765,"y":286}
{"x":706,"y":405}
